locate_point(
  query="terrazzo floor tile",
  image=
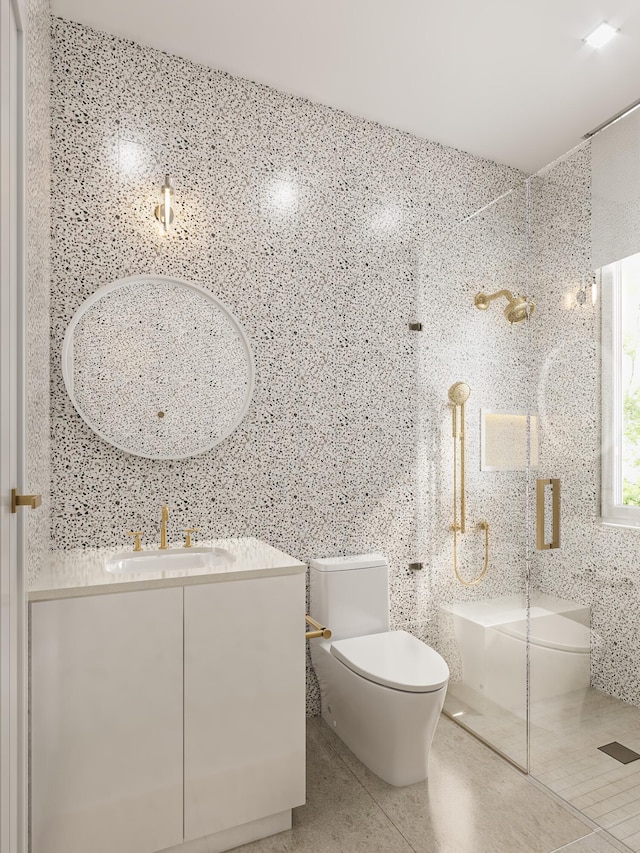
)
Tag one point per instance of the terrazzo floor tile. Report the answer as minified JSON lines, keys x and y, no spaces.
{"x":474,"y":802}
{"x":339,"y":816}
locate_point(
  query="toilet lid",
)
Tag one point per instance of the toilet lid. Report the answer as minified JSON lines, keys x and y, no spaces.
{"x":394,"y":659}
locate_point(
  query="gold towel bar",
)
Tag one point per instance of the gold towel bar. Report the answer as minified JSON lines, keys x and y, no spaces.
{"x":320,"y":631}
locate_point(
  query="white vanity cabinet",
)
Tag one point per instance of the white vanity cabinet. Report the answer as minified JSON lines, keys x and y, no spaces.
{"x":106,"y":723}
{"x":244,"y":699}
{"x":168,"y":714}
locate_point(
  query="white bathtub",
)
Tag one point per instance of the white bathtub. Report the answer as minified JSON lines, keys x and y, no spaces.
{"x":491,"y":637}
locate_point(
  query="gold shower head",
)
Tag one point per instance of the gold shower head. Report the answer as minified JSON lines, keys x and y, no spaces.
{"x":518,"y":309}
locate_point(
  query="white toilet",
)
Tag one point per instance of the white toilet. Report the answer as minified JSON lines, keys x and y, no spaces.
{"x":381,"y":691}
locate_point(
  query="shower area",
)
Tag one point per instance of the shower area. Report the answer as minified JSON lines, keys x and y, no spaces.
{"x":533,"y":307}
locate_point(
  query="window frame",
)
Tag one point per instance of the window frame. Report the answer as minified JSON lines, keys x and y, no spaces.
{"x":612,"y":510}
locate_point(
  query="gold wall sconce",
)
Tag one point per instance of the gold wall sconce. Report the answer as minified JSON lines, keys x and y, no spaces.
{"x":164,"y":210}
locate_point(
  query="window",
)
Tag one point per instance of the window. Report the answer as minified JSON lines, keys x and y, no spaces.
{"x":620,"y":284}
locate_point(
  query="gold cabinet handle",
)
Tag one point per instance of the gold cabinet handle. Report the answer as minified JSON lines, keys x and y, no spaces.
{"x":32,"y":501}
{"x":136,"y":542}
{"x":187,"y":539}
{"x":541,"y":485}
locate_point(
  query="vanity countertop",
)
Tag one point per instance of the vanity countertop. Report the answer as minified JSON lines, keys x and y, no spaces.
{"x":81,"y":571}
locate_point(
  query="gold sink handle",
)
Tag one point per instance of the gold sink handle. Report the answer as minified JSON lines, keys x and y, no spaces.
{"x":32,"y":501}
{"x":187,"y":538}
{"x":136,"y":542}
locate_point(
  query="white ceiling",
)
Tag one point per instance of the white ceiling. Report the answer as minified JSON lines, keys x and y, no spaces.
{"x":510,"y":80}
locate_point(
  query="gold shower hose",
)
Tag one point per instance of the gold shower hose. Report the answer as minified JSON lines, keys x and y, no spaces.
{"x":458,"y":395}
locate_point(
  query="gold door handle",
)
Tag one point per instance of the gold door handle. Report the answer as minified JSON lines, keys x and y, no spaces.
{"x":541,"y":485}
{"x":32,"y":501}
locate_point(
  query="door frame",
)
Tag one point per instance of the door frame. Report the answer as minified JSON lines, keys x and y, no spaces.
{"x":13,"y":634}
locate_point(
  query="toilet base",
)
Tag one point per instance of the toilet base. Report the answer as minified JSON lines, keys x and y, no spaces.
{"x":389,"y":730}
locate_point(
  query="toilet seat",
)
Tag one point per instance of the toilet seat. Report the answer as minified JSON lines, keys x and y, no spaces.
{"x":394,"y":659}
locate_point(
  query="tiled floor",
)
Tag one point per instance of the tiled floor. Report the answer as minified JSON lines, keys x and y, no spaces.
{"x":565,"y":736}
{"x":504,"y":730}
{"x":473,"y":802}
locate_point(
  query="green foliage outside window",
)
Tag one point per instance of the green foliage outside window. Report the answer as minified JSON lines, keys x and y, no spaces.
{"x":631,"y":420}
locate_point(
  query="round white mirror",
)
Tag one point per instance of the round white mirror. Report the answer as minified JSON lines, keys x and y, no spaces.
{"x":158,"y":367}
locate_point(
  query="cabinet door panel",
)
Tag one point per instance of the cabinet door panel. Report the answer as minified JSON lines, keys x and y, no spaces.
{"x":244,"y":702}
{"x":106,"y":723}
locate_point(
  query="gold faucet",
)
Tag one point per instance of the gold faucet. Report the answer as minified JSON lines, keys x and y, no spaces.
{"x":163,"y":527}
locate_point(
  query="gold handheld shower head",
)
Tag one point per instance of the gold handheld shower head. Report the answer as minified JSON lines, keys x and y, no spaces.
{"x":459,"y":393}
{"x":518,"y":309}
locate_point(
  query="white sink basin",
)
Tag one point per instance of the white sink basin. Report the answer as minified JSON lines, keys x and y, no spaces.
{"x":167,"y":560}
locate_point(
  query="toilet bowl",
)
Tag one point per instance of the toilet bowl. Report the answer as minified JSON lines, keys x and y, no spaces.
{"x":381,"y":691}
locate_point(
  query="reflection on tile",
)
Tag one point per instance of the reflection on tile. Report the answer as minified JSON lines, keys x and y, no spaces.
{"x":473,"y":802}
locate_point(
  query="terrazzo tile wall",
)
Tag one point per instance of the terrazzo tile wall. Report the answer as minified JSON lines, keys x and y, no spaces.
{"x":597,"y":565}
{"x":38,"y":46}
{"x":321,"y":232}
{"x":326,"y":235}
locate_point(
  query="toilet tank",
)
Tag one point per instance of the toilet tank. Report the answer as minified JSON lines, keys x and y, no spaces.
{"x":350,"y":595}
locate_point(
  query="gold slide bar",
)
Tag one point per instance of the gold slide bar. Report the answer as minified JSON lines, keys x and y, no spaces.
{"x":458,"y":395}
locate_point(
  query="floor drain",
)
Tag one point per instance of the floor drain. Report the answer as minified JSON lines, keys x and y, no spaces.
{"x":621,"y":753}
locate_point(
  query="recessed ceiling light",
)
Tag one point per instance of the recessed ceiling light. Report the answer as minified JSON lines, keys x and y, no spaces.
{"x":601,"y":35}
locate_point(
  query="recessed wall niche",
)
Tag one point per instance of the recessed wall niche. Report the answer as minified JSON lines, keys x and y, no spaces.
{"x":504,"y":441}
